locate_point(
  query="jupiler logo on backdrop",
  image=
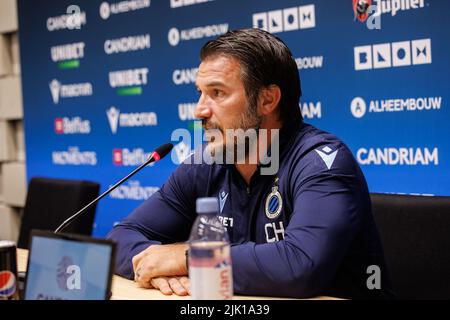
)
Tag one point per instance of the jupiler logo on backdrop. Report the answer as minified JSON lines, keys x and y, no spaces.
{"x":74,"y":125}
{"x":362,"y":8}
{"x":129,"y":82}
{"x":137,"y":119}
{"x":398,"y":156}
{"x":59,"y":90}
{"x":391,"y":55}
{"x":182,"y":3}
{"x":107,"y":9}
{"x":133,"y":190}
{"x":174,"y":35}
{"x":288,"y":19}
{"x":127,"y":44}
{"x":359,"y":107}
{"x":68,"y":56}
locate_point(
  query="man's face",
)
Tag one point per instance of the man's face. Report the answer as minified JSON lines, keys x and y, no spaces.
{"x":223,"y":103}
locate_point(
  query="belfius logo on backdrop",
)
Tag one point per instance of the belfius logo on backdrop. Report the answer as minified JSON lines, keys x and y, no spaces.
{"x":74,"y":125}
{"x":127,"y":157}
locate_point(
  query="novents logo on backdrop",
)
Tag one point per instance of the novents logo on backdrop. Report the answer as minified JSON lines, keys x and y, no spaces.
{"x":74,"y":157}
{"x":68,"y":56}
{"x":137,"y":119}
{"x":129,"y":82}
{"x":288,"y":19}
{"x":59,"y":90}
{"x":133,"y":191}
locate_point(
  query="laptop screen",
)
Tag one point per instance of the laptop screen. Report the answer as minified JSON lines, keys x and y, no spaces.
{"x":62,"y":266}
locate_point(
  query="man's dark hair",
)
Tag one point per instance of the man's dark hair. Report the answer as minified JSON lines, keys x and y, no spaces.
{"x":265,"y":60}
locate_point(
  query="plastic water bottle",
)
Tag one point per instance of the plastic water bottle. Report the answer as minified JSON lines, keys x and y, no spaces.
{"x":210,"y":271}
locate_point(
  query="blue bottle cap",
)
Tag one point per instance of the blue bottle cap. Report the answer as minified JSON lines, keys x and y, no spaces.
{"x":207,"y":205}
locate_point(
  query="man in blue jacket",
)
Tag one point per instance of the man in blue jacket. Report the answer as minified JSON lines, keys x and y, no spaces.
{"x":305,"y":229}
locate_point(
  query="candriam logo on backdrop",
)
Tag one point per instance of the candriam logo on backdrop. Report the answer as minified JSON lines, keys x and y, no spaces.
{"x":395,"y":156}
{"x":106,"y":9}
{"x":183,"y":3}
{"x":136,"y":119}
{"x":184,"y":76}
{"x":127,"y":44}
{"x":71,"y":20}
{"x":129,"y":82}
{"x":359,"y":107}
{"x":73,"y":156}
{"x":133,"y":191}
{"x":391,"y":55}
{"x":59,"y":90}
{"x":311,"y":110}
{"x":175,"y":36}
{"x":68,"y":56}
{"x":74,"y":125}
{"x":289,"y":19}
{"x":127,"y":157}
{"x":313,"y":62}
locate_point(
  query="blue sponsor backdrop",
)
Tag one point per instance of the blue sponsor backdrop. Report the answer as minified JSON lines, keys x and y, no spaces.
{"x":384,"y":91}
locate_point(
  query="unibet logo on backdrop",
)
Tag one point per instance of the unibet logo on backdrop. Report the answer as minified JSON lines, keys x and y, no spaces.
{"x":68,"y":56}
{"x":288,"y":19}
{"x":396,"y":54}
{"x":358,"y":106}
{"x":175,"y":36}
{"x":128,"y":82}
{"x":59,"y":90}
{"x":76,"y":125}
{"x":183,"y":3}
{"x":106,"y":9}
{"x":137,"y":119}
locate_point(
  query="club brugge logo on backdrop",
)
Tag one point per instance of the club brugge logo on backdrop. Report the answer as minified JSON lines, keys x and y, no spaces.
{"x":7,"y":284}
{"x":360,"y":8}
{"x":274,"y":202}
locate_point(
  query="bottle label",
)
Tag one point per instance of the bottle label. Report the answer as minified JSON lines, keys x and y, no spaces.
{"x":211,"y":283}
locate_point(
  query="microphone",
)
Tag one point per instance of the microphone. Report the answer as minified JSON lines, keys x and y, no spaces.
{"x":156,"y":155}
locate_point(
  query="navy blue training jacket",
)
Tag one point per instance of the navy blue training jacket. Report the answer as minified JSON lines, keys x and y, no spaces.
{"x":307,"y":230}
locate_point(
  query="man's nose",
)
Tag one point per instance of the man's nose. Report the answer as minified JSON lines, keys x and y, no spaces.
{"x":202,"y":111}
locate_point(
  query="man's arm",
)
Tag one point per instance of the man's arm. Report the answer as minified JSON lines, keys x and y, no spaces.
{"x":166,"y":217}
{"x":324,"y":222}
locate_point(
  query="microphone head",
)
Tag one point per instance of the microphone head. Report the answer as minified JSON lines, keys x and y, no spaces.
{"x":162,"y":151}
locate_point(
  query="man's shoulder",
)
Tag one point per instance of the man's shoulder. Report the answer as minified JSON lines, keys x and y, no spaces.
{"x":315,"y":150}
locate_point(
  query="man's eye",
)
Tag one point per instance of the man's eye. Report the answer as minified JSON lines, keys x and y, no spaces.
{"x":217,"y":93}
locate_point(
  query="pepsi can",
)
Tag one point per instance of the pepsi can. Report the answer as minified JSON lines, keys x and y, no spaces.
{"x":8,"y":271}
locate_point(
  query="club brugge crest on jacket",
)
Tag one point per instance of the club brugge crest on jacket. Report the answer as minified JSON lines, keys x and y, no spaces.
{"x":7,"y":284}
{"x":274,"y":203}
{"x":360,"y":8}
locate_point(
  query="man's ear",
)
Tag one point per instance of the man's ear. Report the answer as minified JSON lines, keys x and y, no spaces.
{"x":268,"y":99}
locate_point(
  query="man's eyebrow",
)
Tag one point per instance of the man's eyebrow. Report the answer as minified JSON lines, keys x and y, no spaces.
{"x":214,"y":84}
